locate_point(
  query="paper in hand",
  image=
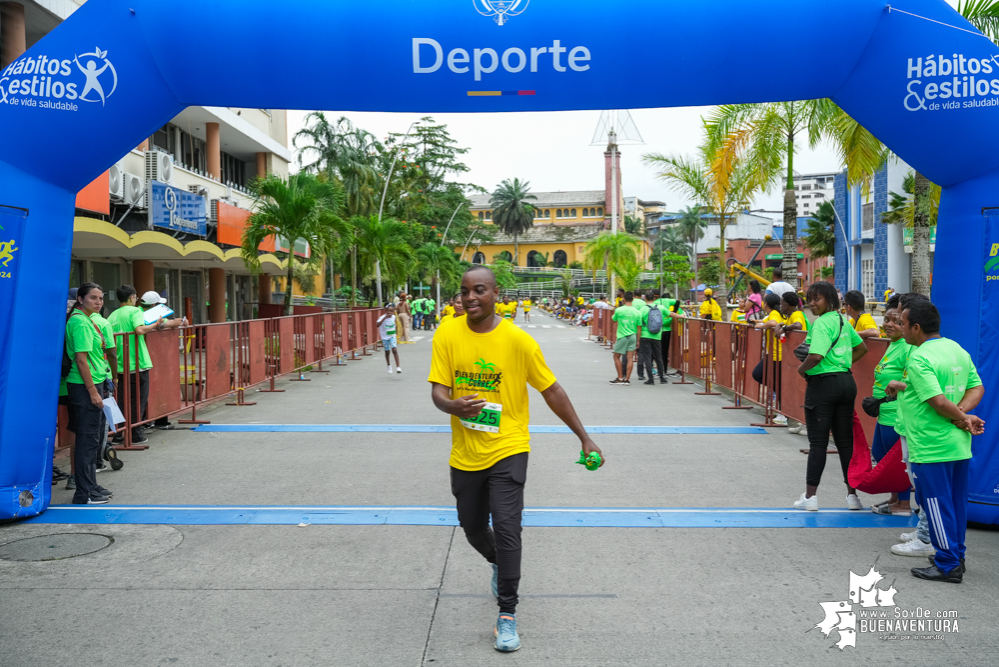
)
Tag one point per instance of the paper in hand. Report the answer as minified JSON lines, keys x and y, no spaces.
{"x":113,"y":414}
{"x":155,"y":313}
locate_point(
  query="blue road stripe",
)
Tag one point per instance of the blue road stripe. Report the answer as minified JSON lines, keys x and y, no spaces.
{"x":550,"y":517}
{"x":443,"y":428}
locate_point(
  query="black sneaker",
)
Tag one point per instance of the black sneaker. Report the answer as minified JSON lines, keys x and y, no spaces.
{"x":141,"y":439}
{"x":102,"y":468}
{"x":112,"y":457}
{"x":95,"y":500}
{"x":649,"y":381}
{"x":962,"y":567}
{"x":71,"y":483}
{"x":164,"y":427}
{"x":641,"y":377}
{"x":663,"y":380}
{"x":934,"y":573}
{"x":617,"y":381}
{"x":105,"y":492}
{"x":58,"y":475}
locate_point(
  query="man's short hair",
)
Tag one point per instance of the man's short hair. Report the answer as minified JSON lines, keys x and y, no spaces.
{"x":925,"y":314}
{"x":479,"y":267}
{"x":628,"y":296}
{"x":125,"y":293}
{"x":778,"y":273}
{"x":791,"y":299}
{"x":649,"y":295}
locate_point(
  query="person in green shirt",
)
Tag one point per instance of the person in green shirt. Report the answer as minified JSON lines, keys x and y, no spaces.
{"x":650,"y":344}
{"x":87,"y":387}
{"x":629,"y":323}
{"x":638,"y":303}
{"x":938,"y":389}
{"x":669,"y":306}
{"x":834,"y":346}
{"x":891,"y":367}
{"x":110,"y":353}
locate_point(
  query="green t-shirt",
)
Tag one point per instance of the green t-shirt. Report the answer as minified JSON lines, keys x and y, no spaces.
{"x":891,"y":367}
{"x":124,"y":320}
{"x":628,"y":319}
{"x":82,"y":336}
{"x":645,"y":310}
{"x":105,"y":328}
{"x":638,"y":304}
{"x":824,"y":338}
{"x":668,"y":306}
{"x":938,"y":366}
{"x":431,"y":305}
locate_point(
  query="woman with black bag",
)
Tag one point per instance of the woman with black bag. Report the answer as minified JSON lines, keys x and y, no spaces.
{"x":827,"y":355}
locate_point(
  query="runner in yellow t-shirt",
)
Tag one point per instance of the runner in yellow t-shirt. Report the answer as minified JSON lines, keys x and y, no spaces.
{"x":863,"y":323}
{"x":507,"y":309}
{"x":526,"y":305}
{"x":479,"y":373}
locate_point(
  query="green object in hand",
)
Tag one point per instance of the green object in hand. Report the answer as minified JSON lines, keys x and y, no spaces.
{"x":592,"y":462}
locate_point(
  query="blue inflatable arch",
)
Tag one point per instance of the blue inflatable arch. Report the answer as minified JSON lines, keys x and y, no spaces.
{"x":915,"y":73}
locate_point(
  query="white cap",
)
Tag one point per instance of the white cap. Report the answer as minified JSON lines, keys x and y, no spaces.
{"x":151,"y":298}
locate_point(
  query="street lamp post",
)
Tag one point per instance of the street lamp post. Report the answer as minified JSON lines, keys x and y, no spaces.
{"x":381,"y":207}
{"x":444,"y":238}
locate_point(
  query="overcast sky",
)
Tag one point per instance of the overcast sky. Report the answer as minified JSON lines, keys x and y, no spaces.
{"x":552,"y":149}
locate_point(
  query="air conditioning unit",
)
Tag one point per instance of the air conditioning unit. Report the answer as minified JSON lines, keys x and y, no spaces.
{"x":198,"y":189}
{"x":159,"y":167}
{"x":116,"y":182}
{"x":133,"y":187}
{"x":213,"y":215}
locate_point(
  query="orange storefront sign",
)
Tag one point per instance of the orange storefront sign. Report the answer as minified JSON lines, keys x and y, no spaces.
{"x":95,"y":197}
{"x":231,"y":222}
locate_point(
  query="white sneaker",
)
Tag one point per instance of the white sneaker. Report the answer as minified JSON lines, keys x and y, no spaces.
{"x":853,"y":502}
{"x":397,"y":369}
{"x":794,"y":429}
{"x":390,"y":370}
{"x":916,"y":548}
{"x":780,"y":419}
{"x":908,"y":537}
{"x":810,"y":504}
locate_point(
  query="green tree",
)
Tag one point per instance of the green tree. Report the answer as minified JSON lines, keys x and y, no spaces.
{"x":437,"y":262}
{"x":767,"y":137}
{"x":916,"y":208}
{"x":566,"y":277}
{"x":710,"y":272}
{"x":820,"y":236}
{"x":503,"y":270}
{"x":671,"y":239}
{"x":611,"y":251}
{"x":384,"y":242}
{"x":983,"y":14}
{"x":675,"y":270}
{"x":575,"y":265}
{"x":628,"y":272}
{"x":634,"y":225}
{"x":299,"y":208}
{"x":691,"y":226}
{"x":511,"y":212}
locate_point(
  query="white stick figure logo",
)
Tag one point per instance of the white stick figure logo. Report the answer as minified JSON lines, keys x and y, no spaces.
{"x":501,"y":10}
{"x":93,"y":74}
{"x":170,"y":201}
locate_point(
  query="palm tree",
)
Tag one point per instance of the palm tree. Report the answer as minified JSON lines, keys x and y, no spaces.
{"x":821,"y":235}
{"x":299,"y":208}
{"x":671,"y":239}
{"x":917,"y":208}
{"x":382,"y":241}
{"x":983,"y":14}
{"x":767,"y":137}
{"x":511,"y":212}
{"x":723,"y":186}
{"x":610,"y":250}
{"x":634,"y":225}
{"x":691,"y":226}
{"x":628,"y":271}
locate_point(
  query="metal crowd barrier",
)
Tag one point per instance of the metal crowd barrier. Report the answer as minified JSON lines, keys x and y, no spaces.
{"x":724,"y":354}
{"x":204,"y":363}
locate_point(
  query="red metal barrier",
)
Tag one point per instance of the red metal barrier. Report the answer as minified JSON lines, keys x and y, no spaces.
{"x":706,"y":356}
{"x":680,"y":342}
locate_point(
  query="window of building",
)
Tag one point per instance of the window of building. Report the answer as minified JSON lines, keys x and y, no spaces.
{"x":558,"y":213}
{"x":806,"y":187}
{"x":573,"y":213}
{"x":819,"y":195}
{"x":600,"y":212}
{"x":478,"y":258}
{"x":233,"y":170}
{"x":561,"y":259}
{"x":867,"y":219}
{"x":535,"y":259}
{"x":482,"y":216}
{"x":806,"y":196}
{"x":867,"y":277}
{"x":548,"y":213}
{"x":489,"y":215}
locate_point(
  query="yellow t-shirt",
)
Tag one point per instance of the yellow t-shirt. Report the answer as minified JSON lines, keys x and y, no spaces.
{"x":448,"y":311}
{"x":506,"y":310}
{"x":711,"y":308}
{"x":737,"y":316}
{"x":497,"y":366}
{"x":527,"y":305}
{"x":580,"y":301}
{"x":772,"y":333}
{"x":798,"y":316}
{"x":864,"y":323}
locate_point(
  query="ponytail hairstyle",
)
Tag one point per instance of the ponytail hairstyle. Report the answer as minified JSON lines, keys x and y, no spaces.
{"x":85,"y":289}
{"x":772,"y":301}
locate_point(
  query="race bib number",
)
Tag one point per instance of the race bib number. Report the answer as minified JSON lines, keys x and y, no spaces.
{"x":487,"y":420}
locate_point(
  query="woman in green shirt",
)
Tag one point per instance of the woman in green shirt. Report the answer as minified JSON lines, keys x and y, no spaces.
{"x":86,"y":385}
{"x":891,"y":367}
{"x":829,"y":399}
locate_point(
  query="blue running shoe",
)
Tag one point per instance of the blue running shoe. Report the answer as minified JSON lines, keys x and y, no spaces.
{"x":507,"y":639}
{"x":495,"y":580}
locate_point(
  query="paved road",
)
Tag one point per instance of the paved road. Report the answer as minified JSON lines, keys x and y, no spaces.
{"x":246,"y":593}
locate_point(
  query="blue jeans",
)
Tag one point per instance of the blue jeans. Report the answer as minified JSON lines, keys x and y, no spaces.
{"x":885,"y":438}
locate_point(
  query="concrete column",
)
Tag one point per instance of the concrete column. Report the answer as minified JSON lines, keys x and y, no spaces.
{"x":12,"y":35}
{"x":144,"y":146}
{"x":261,"y":165}
{"x":214,"y":150}
{"x":264,"y":288}
{"x":143,"y":276}
{"x":216,"y":295}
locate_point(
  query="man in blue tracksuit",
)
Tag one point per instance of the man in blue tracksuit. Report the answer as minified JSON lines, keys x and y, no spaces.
{"x":939,"y":387}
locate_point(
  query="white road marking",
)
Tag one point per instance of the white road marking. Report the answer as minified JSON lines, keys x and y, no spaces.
{"x":417,"y":338}
{"x":532,"y":326}
{"x":546,"y":326}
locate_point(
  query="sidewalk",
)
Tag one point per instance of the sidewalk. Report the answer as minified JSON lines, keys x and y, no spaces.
{"x":241,"y":593}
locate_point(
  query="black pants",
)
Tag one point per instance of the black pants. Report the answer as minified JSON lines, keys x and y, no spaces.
{"x":497,"y":491}
{"x":775,"y":377}
{"x":139,"y":404}
{"x":650,"y":350}
{"x":665,"y":347}
{"x":88,"y":423}
{"x":829,"y":401}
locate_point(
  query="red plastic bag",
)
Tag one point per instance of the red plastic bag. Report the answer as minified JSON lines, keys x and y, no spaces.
{"x":888,"y":476}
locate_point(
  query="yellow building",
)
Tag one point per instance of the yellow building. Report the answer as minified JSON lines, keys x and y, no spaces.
{"x":565,"y":222}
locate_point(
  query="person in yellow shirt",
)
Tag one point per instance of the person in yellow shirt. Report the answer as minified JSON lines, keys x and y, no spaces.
{"x":790,"y":308}
{"x":710,"y":310}
{"x":448,"y":309}
{"x":773,"y":324}
{"x":739,"y":313}
{"x":453,"y":310}
{"x":508,"y":309}
{"x":479,"y":372}
{"x":526,"y":305}
{"x":863,"y":323}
